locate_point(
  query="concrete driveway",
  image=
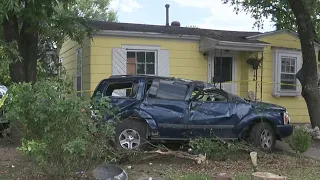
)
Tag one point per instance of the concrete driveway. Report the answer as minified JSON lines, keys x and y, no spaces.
{"x":313,"y":152}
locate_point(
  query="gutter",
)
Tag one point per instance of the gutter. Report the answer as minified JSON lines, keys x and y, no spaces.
{"x":147,"y":35}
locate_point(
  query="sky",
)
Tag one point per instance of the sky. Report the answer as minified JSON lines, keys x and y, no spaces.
{"x":209,"y":14}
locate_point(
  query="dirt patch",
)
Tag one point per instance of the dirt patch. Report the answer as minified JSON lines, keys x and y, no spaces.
{"x":13,"y":165}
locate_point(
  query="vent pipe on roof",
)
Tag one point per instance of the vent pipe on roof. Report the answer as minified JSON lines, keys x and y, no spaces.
{"x":167,"y":14}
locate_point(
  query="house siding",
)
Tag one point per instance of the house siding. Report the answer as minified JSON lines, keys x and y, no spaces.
{"x":187,"y":62}
{"x":68,"y":53}
{"x":296,"y":106}
{"x":185,"y":59}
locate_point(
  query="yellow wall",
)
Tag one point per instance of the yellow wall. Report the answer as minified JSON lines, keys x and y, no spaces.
{"x":68,"y":53}
{"x":185,"y":59}
{"x":296,"y":105}
{"x":185,"y":62}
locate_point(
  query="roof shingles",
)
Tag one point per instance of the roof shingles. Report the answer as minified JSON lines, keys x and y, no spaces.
{"x":221,"y":35}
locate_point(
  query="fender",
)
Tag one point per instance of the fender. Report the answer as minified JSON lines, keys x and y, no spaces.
{"x":136,"y":112}
{"x":267,"y":116}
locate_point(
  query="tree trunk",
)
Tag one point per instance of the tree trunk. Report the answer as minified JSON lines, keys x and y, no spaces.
{"x":28,"y":48}
{"x":307,"y":75}
{"x":24,"y":70}
{"x":11,"y":34}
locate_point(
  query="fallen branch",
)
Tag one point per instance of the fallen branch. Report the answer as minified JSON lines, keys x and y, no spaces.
{"x":154,"y":154}
{"x":198,"y":158}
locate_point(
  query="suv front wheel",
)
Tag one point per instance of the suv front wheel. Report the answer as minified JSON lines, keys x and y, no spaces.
{"x":131,"y":135}
{"x":263,"y":136}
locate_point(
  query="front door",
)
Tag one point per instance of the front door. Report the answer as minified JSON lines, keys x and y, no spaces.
{"x":224,"y":69}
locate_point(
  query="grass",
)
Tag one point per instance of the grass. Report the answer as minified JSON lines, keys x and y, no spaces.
{"x":293,"y":167}
{"x":170,"y":168}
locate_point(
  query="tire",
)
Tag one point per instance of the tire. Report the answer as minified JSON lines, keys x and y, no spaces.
{"x":263,"y":137}
{"x":131,"y":135}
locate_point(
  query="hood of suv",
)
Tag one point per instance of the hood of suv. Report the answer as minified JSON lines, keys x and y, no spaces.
{"x":267,"y":106}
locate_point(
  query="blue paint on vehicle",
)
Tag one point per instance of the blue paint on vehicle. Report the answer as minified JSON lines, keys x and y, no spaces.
{"x":173,"y":108}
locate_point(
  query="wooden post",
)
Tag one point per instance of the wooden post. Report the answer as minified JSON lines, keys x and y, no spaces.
{"x":266,"y":176}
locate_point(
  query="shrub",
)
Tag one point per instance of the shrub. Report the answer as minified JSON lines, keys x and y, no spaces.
{"x":300,"y":140}
{"x":57,"y":131}
{"x":213,"y":148}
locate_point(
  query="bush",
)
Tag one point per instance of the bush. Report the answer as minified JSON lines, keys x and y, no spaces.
{"x":57,"y":131}
{"x":300,"y":140}
{"x":213,"y":148}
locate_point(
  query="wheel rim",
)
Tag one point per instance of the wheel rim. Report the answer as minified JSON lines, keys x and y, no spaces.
{"x":129,"y":139}
{"x":266,"y":139}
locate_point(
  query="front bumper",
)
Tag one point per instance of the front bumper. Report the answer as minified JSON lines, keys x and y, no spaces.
{"x":285,"y":130}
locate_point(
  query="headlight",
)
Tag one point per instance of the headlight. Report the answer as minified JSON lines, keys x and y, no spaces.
{"x":286,"y":118}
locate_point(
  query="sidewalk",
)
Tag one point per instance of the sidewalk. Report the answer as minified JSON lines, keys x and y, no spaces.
{"x":311,"y":153}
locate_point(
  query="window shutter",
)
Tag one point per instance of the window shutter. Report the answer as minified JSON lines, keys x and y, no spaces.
{"x":119,"y":65}
{"x":163,"y":63}
{"x":119,"y":61}
{"x":299,"y":66}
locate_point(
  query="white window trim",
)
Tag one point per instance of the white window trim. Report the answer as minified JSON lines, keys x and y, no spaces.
{"x":277,"y":53}
{"x":144,"y":48}
{"x":79,"y":51}
{"x":140,"y":47}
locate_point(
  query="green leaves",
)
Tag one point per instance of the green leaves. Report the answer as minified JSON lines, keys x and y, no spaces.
{"x":38,"y":23}
{"x":279,"y":11}
{"x":300,"y":141}
{"x":57,"y":134}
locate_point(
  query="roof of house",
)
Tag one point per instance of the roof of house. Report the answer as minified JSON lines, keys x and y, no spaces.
{"x":220,"y":35}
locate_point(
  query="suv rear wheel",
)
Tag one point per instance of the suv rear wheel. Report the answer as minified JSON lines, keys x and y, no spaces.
{"x":131,"y":134}
{"x":263,"y":136}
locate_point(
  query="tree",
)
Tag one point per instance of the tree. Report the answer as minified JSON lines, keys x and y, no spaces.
{"x":301,"y":16}
{"x":34,"y":26}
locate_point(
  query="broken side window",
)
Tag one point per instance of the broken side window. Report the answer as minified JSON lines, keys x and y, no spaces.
{"x":122,"y":89}
{"x":210,"y":96}
{"x":171,"y":90}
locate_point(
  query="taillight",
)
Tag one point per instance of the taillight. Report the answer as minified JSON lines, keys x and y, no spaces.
{"x":286,"y":118}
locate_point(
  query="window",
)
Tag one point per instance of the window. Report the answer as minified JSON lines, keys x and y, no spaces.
{"x":171,"y":90}
{"x":216,"y":95}
{"x":286,"y":65}
{"x":141,"y":62}
{"x":123,"y":89}
{"x":223,"y":68}
{"x":79,"y":71}
{"x":288,"y":73}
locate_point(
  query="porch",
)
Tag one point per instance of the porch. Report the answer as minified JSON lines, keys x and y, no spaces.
{"x":231,"y":66}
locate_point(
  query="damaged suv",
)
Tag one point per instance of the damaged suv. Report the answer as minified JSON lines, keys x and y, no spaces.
{"x":4,"y":125}
{"x":164,"y":108}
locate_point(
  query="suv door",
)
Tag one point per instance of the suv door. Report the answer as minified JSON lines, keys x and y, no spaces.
{"x":211,"y":114}
{"x":166,"y":104}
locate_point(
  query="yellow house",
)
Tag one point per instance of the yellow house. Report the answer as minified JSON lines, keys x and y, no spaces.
{"x":193,"y":53}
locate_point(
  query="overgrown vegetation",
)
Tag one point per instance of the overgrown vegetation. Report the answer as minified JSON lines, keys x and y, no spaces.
{"x":57,"y":131}
{"x":214,"y":148}
{"x":300,"y":141}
